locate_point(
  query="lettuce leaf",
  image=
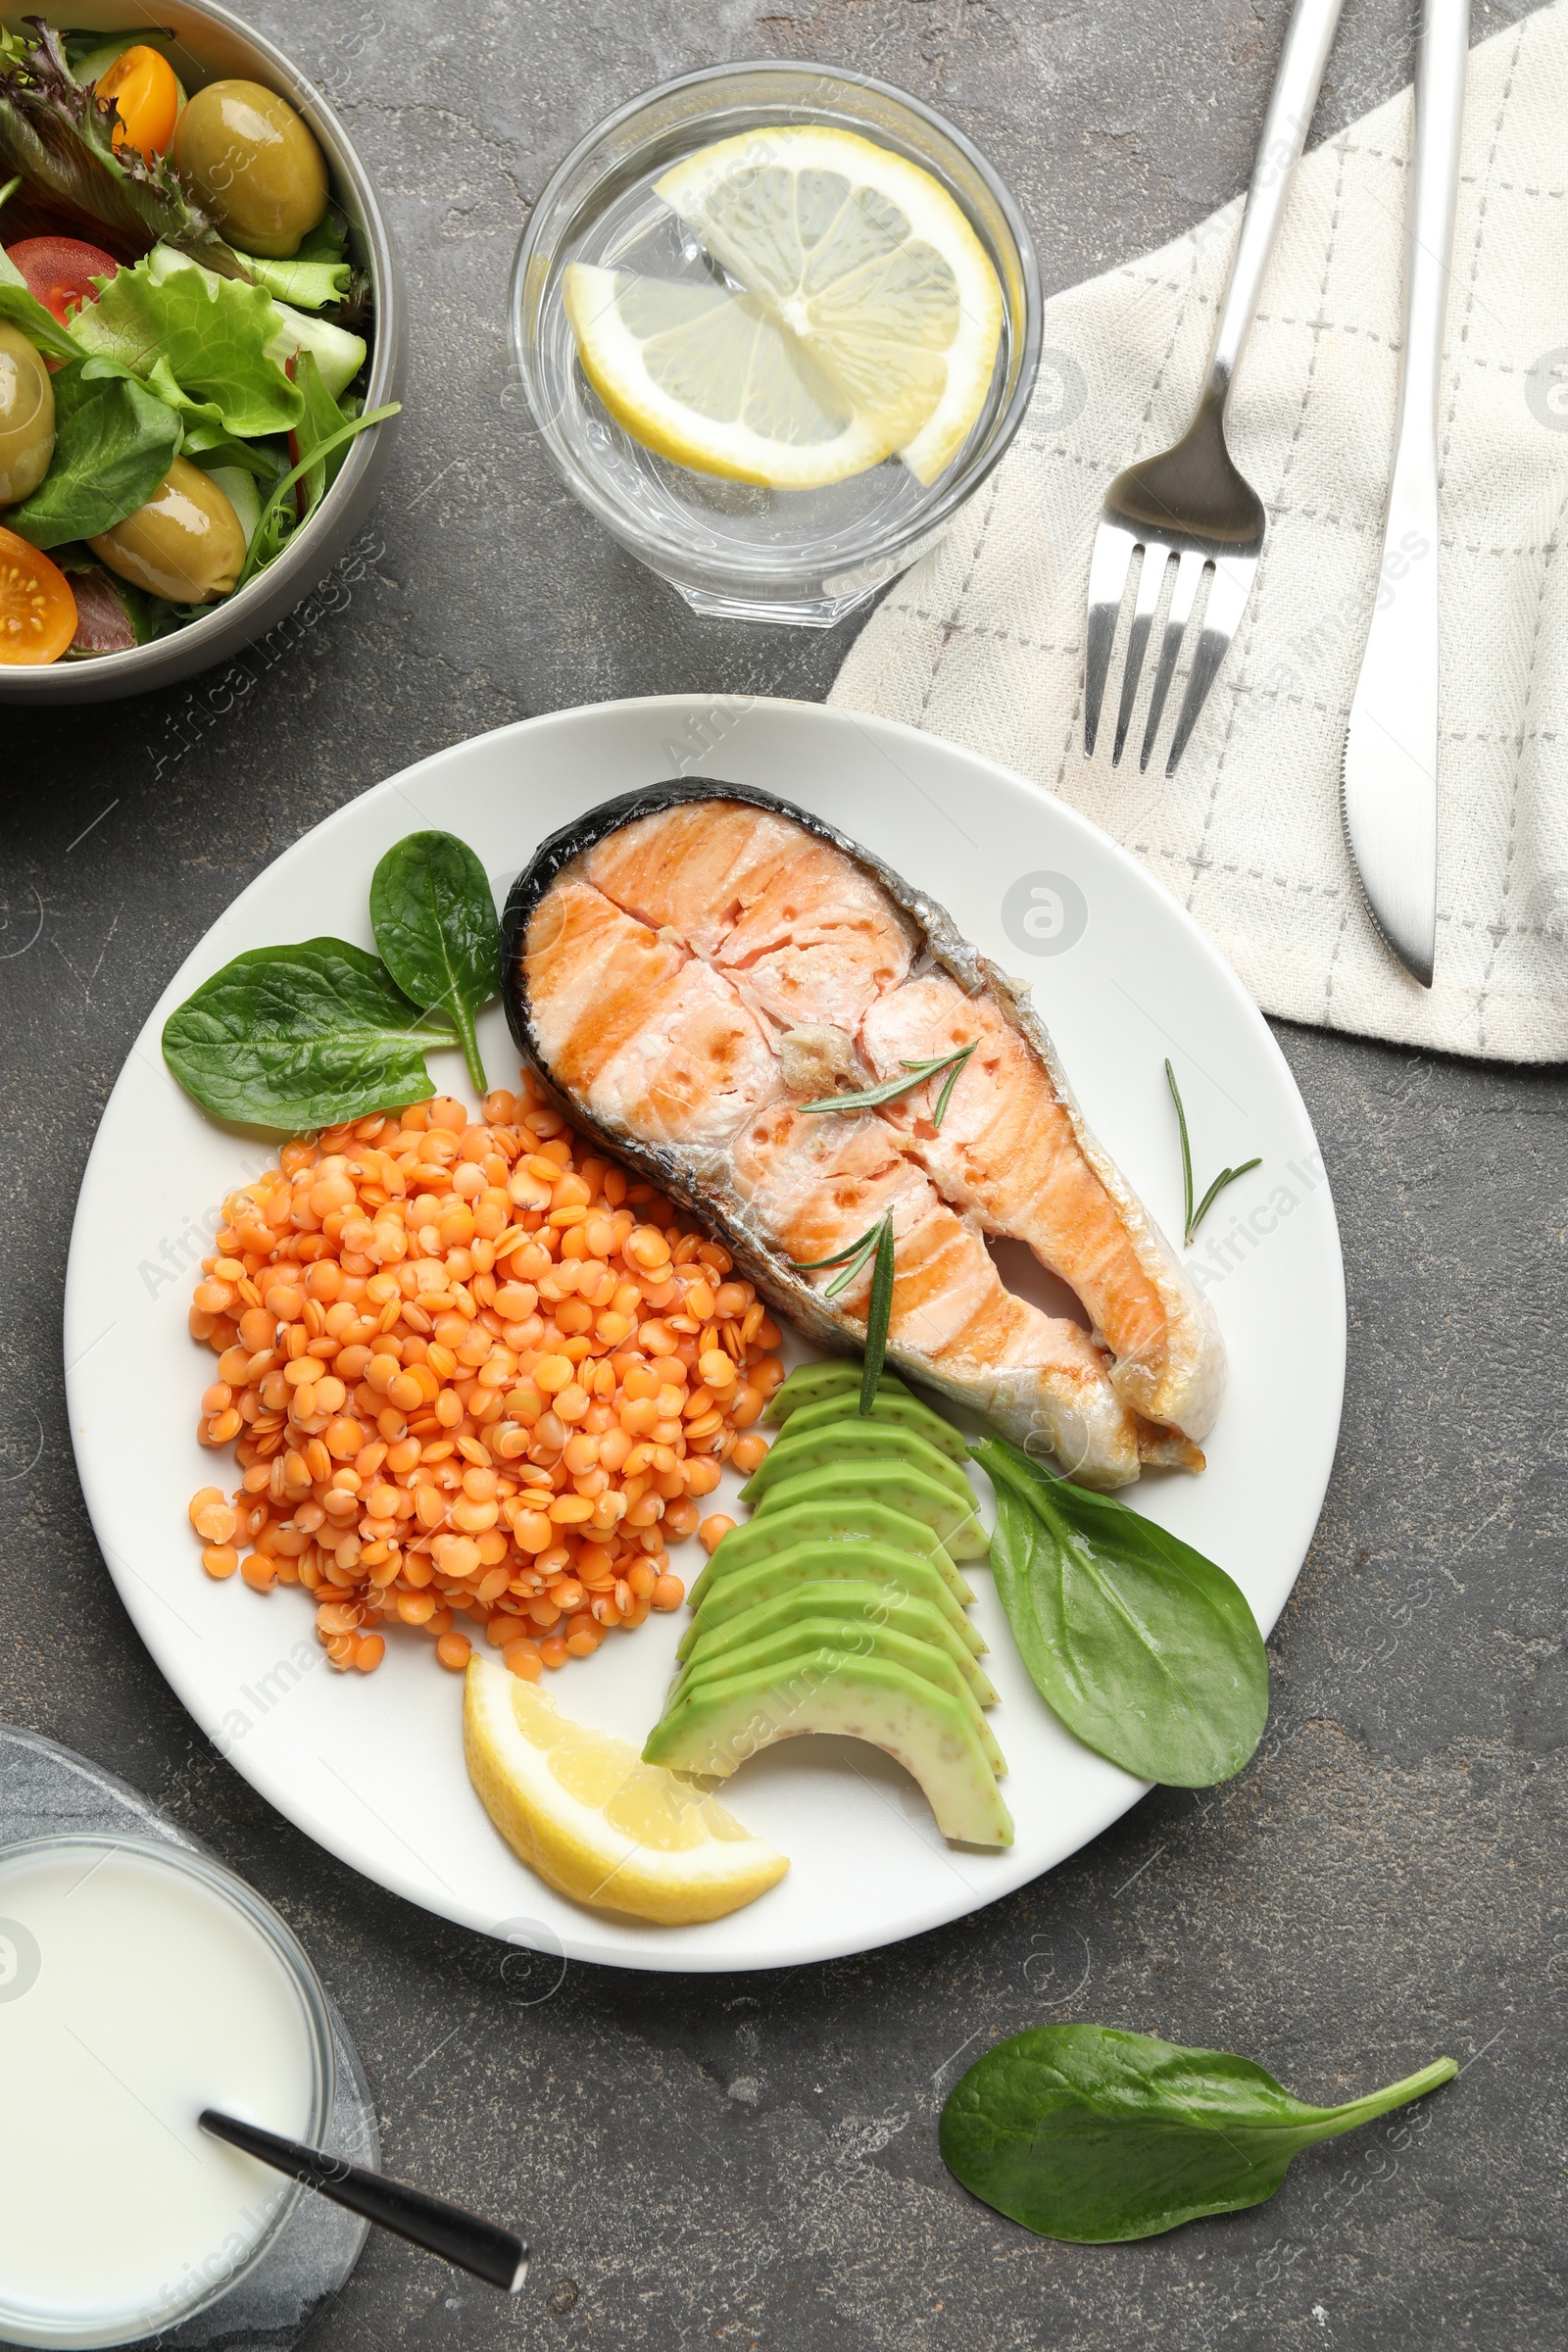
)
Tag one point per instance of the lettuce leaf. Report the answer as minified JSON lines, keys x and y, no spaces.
{"x":308,"y":285}
{"x":114,"y":443}
{"x":204,"y":339}
{"x":21,"y":309}
{"x":339,"y":355}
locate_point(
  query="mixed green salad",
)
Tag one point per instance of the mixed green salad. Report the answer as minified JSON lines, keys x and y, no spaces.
{"x":184,"y":340}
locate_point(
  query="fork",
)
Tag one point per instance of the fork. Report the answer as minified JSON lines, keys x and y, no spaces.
{"x":1191,"y":506}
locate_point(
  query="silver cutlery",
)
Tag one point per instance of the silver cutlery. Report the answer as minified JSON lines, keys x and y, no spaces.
{"x":1388,"y":772}
{"x":1190,"y":506}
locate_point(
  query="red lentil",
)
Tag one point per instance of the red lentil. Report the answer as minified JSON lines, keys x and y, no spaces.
{"x":470,"y":1370}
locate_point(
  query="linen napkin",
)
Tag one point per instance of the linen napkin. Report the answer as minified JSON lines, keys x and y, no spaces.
{"x":982,"y":641}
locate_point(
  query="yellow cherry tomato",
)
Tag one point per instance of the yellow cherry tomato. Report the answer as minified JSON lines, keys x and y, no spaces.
{"x":37,"y":611}
{"x":142,"y":85}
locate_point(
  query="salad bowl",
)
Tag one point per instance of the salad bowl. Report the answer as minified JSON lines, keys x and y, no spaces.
{"x":208,"y":43}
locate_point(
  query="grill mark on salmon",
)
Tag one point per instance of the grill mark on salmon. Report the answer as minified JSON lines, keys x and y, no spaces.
{"x":756,"y":895}
{"x":1008,"y":1152}
{"x":658,"y":956}
{"x":651,"y":1037}
{"x":818,"y":1183}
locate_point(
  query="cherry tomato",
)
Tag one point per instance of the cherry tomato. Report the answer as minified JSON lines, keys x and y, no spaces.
{"x":142,"y":85}
{"x":59,"y":271}
{"x":37,"y":611}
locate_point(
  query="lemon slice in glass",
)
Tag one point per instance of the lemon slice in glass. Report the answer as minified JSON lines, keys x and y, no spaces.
{"x":861,"y":316}
{"x":598,"y":1824}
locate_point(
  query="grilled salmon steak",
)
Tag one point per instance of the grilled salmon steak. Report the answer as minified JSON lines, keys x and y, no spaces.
{"x":690,"y":965}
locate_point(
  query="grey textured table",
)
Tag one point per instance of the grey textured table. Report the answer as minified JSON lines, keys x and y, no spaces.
{"x":752,"y":2161}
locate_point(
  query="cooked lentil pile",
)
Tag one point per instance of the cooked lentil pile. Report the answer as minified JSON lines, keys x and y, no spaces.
{"x":476,"y":1379}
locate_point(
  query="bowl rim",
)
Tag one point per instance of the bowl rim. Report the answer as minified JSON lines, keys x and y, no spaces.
{"x":224,"y":627}
{"x":297,"y":1965}
{"x":752,"y":566}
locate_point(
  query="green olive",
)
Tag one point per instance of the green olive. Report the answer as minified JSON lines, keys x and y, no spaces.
{"x":26,"y":416}
{"x":248,"y":158}
{"x":185,"y":543}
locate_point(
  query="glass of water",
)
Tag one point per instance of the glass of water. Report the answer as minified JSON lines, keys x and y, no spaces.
{"x":734,"y":548}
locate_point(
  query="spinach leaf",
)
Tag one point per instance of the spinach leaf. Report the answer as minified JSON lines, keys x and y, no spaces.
{"x":114,"y":443}
{"x":435,"y":924}
{"x":205,"y":440}
{"x":1082,"y":2132}
{"x":301,"y":1036}
{"x":1148,"y":1652}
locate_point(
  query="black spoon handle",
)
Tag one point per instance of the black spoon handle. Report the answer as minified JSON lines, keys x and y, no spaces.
{"x":498,"y":2256}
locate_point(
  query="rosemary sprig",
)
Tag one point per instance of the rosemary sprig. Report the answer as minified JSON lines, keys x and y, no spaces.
{"x":890,"y":1088}
{"x":852,"y":1260}
{"x":878,"y":1314}
{"x":875,"y":1244}
{"x":1192,"y":1217}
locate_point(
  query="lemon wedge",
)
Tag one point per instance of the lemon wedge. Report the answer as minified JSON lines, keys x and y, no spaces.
{"x":860,"y":316}
{"x":596,"y":1823}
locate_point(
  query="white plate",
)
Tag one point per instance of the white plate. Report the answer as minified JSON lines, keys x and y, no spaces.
{"x":373,"y":1766}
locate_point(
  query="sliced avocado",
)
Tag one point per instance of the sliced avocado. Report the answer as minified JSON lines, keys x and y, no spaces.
{"x":846,"y":1443}
{"x":721,"y":1723}
{"x":837,"y":1522}
{"x":955,"y":1524}
{"x":832,"y":1563}
{"x":855,"y":1603}
{"x":848,"y":1638}
{"x":809,"y":1384}
{"x":897,"y":1412}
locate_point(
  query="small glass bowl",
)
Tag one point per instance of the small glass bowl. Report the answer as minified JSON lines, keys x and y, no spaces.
{"x":731,"y":549}
{"x":133,"y":2327}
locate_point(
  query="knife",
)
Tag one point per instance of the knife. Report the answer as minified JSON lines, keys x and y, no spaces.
{"x":1388,"y":772}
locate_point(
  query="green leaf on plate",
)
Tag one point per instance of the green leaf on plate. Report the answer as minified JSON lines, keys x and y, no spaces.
{"x":434,"y":920}
{"x":301,"y":1036}
{"x":1086,"y":2134}
{"x":1146,"y":1650}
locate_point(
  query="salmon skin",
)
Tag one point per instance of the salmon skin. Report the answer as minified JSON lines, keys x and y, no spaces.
{"x":688,"y":964}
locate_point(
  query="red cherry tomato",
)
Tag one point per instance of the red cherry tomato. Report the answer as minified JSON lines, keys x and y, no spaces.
{"x":59,"y":271}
